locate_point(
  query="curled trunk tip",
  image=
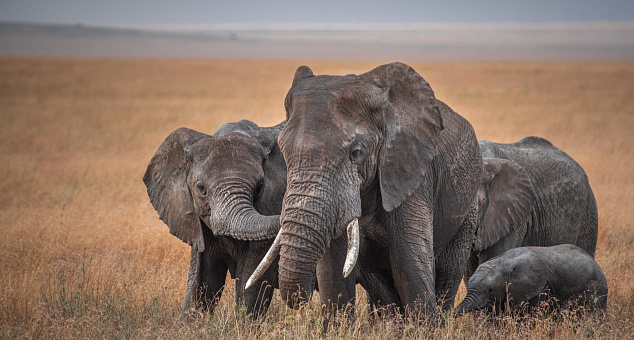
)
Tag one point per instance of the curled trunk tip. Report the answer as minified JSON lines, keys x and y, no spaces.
{"x":464,"y":307}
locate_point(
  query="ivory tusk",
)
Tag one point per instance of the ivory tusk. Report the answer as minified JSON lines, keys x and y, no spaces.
{"x":353,"y":247}
{"x":266,"y":261}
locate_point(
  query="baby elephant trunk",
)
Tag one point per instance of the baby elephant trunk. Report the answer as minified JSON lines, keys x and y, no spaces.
{"x":467,"y":305}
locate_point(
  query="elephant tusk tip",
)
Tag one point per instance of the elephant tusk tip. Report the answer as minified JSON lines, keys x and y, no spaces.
{"x":249,"y":283}
{"x":347,"y":271}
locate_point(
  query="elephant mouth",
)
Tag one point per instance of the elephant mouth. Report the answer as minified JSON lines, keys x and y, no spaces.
{"x":352,"y":254}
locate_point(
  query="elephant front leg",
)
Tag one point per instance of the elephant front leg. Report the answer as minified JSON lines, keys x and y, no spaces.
{"x":257,"y":298}
{"x":335,"y":291}
{"x":453,"y":261}
{"x":412,"y":261}
{"x":205,"y":282}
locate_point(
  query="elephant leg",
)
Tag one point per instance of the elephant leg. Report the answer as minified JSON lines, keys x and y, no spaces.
{"x":412,"y":257}
{"x":335,"y":291}
{"x":206,"y":280}
{"x":380,"y":290}
{"x":472,"y":265}
{"x":256,"y":299}
{"x":452,"y":260}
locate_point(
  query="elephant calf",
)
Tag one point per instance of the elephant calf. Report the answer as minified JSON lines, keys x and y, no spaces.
{"x":222,"y":195}
{"x":520,"y":275}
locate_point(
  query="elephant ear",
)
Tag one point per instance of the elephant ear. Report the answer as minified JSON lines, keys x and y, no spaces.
{"x":412,"y":127}
{"x":274,"y":166}
{"x":166,"y":182}
{"x":244,"y":126}
{"x":511,"y":197}
{"x":527,"y":276}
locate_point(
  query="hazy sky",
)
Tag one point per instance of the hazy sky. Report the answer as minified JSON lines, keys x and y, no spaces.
{"x":199,"y":12}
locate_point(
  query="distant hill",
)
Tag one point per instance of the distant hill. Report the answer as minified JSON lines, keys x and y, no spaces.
{"x":506,"y":41}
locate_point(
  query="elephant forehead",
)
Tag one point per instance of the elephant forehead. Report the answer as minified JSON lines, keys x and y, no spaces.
{"x":342,"y":94}
{"x":231,"y":151}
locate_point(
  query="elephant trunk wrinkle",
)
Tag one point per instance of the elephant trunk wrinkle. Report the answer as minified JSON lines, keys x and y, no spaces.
{"x":314,"y":213}
{"x":300,"y":251}
{"x":234,"y":215}
{"x":466,"y":305}
{"x":316,"y":245}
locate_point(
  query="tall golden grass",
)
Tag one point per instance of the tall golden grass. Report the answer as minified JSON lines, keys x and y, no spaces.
{"x":83,"y":253}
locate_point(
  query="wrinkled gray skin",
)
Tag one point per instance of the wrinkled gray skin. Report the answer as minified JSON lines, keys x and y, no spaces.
{"x":210,"y":191}
{"x":222,"y":195}
{"x":565,"y":272}
{"x":532,"y":194}
{"x":379,"y":147}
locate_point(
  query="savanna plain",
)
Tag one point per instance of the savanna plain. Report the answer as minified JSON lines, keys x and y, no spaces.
{"x":84,"y":255}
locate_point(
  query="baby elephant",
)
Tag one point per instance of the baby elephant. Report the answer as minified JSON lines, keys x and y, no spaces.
{"x":565,"y":272}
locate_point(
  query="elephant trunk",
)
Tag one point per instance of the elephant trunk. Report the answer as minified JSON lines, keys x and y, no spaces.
{"x":300,"y":250}
{"x":236,"y":217}
{"x":467,"y":305}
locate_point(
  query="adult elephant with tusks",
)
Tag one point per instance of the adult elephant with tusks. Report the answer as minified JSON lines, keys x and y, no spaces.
{"x":378,"y":156}
{"x":222,"y":195}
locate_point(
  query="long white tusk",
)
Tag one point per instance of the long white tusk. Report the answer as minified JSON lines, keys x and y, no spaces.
{"x":266,"y":261}
{"x":353,"y":247}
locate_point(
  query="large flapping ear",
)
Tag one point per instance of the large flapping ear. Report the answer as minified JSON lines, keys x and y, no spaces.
{"x":412,"y":126}
{"x":527,"y":276}
{"x":166,"y":182}
{"x":511,"y":197}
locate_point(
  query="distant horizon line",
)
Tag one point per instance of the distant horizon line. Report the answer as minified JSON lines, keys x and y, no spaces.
{"x":545,"y":25}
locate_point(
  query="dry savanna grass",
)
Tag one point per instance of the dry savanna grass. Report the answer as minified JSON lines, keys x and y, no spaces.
{"x":84,"y":255}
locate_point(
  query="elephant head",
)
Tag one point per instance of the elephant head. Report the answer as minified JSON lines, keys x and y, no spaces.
{"x":516,"y":276}
{"x":506,"y":198}
{"x":222,"y":195}
{"x":348,"y":137}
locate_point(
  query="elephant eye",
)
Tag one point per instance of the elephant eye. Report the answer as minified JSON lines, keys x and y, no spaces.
{"x":356,"y":154}
{"x":200,"y":187}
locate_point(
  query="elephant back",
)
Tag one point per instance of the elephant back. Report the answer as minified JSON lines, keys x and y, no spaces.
{"x":565,"y":207}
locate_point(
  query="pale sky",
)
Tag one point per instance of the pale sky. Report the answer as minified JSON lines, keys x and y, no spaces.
{"x":199,"y":12}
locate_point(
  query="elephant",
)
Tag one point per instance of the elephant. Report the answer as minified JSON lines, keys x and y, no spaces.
{"x":531,"y":194}
{"x":520,"y":275}
{"x":376,"y":162}
{"x":222,"y":195}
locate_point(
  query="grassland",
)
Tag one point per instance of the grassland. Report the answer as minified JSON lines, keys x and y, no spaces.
{"x":84,"y":255}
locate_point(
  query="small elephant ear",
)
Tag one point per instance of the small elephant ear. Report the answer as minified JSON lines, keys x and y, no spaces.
{"x":527,"y":277}
{"x":274,"y":166}
{"x":243,"y":126}
{"x":412,"y":126}
{"x":166,"y":182}
{"x":511,"y":197}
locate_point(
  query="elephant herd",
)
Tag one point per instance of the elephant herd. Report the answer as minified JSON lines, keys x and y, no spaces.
{"x":372,"y":180}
